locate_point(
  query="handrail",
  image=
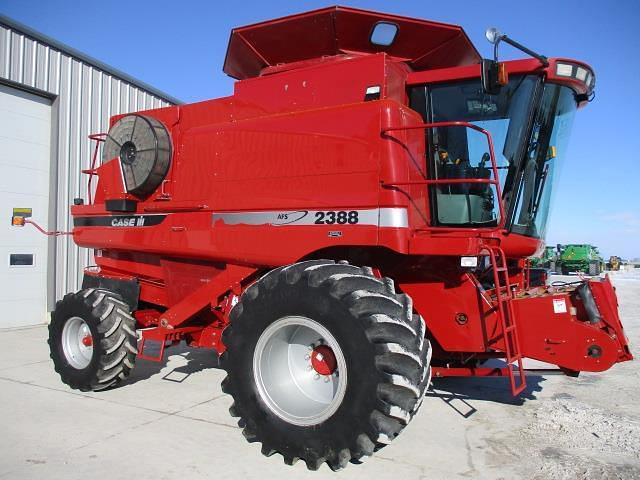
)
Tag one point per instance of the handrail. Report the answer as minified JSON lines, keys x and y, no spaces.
{"x":442,"y":181}
{"x":494,"y":167}
{"x":98,"y":138}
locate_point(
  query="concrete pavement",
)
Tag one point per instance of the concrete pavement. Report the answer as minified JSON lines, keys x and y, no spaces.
{"x":172,"y":422}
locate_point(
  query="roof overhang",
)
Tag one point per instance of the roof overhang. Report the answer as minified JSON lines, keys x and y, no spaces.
{"x":333,"y":31}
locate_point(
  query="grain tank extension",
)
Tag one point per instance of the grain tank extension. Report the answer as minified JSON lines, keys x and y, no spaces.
{"x":354,"y":220}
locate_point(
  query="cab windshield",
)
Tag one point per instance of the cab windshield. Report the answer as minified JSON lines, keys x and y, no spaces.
{"x":459,"y":152}
{"x":547,"y":146}
{"x":529,"y":137}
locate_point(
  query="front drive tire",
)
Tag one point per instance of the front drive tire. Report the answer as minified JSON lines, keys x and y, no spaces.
{"x":92,"y":339}
{"x":375,"y":381}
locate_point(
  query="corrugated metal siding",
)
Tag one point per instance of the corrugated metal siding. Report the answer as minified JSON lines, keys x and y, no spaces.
{"x":86,"y":97}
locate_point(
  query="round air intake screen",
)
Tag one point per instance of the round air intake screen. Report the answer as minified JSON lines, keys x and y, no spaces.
{"x":143,"y":146}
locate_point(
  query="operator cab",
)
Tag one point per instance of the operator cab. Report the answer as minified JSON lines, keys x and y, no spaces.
{"x":529,"y":120}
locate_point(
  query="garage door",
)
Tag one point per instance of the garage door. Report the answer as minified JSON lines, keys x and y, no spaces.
{"x":25,"y":139}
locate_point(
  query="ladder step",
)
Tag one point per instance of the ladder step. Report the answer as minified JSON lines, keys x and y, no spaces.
{"x":510,"y":328}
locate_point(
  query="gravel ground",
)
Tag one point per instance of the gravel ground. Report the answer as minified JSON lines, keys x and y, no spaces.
{"x":571,"y":428}
{"x":175,"y":425}
{"x":589,"y":427}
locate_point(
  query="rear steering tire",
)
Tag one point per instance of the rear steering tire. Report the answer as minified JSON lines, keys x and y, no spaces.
{"x":357,"y":395}
{"x":92,"y":339}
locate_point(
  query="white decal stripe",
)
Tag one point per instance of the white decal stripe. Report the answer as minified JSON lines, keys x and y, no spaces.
{"x":382,"y":217}
{"x":393,"y":217}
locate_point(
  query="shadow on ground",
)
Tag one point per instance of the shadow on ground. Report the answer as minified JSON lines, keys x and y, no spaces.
{"x":458,"y":393}
{"x":198,"y":359}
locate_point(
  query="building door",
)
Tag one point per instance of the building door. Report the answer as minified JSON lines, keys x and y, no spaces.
{"x":25,"y":157}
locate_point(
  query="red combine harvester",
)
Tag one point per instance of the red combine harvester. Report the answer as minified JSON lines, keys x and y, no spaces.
{"x":354,"y":219}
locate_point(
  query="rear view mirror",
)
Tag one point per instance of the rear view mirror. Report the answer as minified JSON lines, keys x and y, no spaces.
{"x":493,"y":75}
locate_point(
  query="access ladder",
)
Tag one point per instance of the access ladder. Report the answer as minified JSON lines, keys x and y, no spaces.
{"x":507,"y":319}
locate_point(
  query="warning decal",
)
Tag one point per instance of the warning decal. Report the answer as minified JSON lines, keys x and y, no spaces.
{"x":559,"y":305}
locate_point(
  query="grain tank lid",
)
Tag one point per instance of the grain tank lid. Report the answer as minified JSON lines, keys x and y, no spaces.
{"x":336,"y":30}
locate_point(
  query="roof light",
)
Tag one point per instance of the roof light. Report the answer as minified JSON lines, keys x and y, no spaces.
{"x":588,"y":80}
{"x":577,"y":72}
{"x":581,"y":74}
{"x":564,"y":70}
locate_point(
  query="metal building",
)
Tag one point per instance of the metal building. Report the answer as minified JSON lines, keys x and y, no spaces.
{"x":51,"y":98}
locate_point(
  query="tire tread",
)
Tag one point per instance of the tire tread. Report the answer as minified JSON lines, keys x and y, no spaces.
{"x":116,"y":338}
{"x":396,"y":333}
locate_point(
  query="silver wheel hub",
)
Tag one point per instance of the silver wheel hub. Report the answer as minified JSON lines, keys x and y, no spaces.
{"x":300,"y":370}
{"x":77,"y":343}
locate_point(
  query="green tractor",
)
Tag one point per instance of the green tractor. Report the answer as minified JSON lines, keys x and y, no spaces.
{"x":580,"y":258}
{"x":547,"y":261}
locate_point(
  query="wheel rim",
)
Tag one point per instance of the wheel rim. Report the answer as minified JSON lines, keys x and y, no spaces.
{"x":77,"y":343}
{"x":300,"y":370}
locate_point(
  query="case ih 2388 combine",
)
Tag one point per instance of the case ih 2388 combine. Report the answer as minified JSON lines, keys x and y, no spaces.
{"x":352,"y":221}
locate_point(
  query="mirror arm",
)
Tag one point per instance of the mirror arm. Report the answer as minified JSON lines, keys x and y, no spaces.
{"x":543,"y":60}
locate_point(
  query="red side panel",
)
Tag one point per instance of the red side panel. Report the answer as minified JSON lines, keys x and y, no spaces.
{"x":606,"y":301}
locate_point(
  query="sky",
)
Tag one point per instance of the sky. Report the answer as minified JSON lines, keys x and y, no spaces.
{"x":179,"y":48}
